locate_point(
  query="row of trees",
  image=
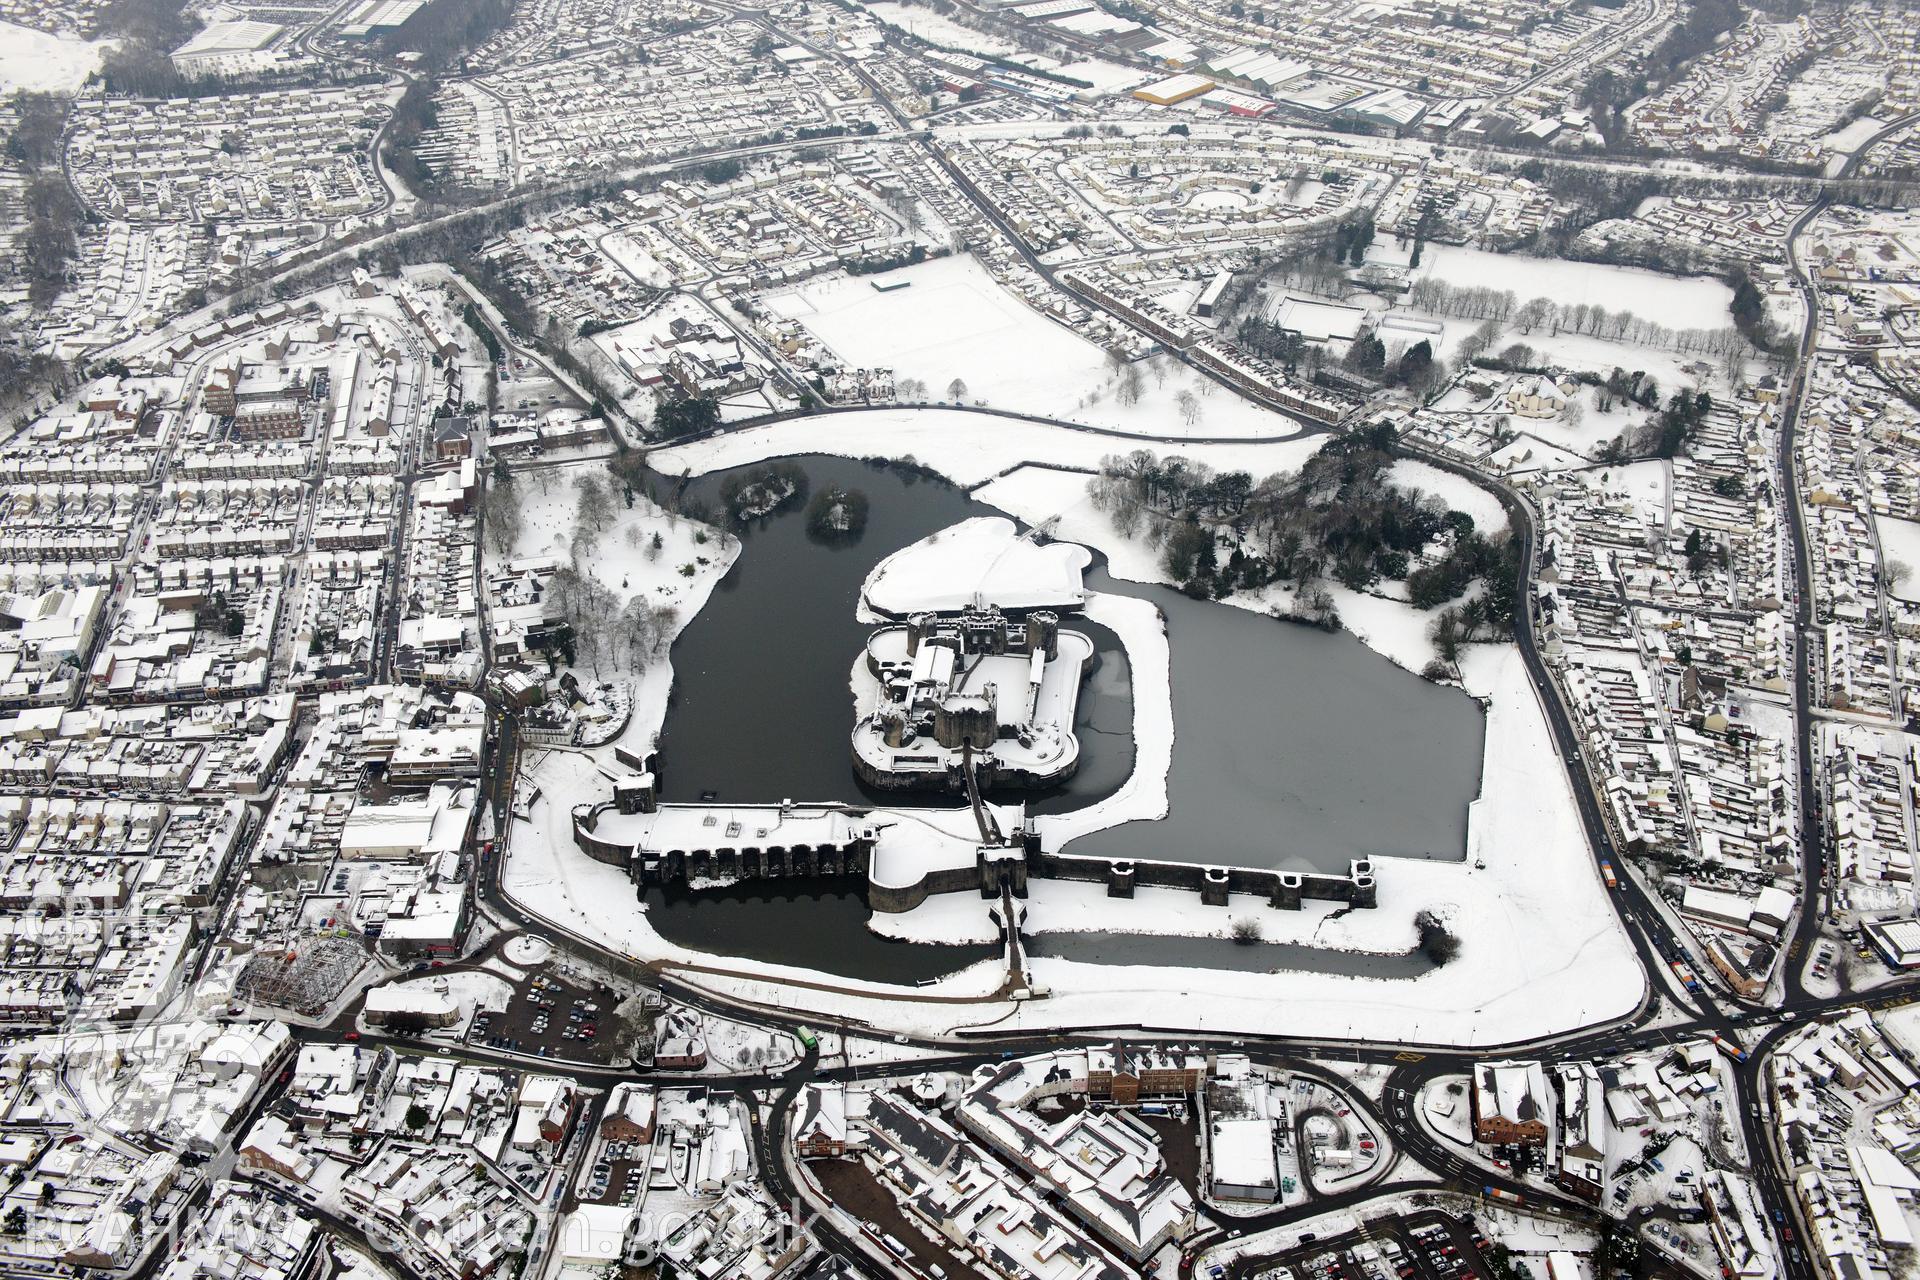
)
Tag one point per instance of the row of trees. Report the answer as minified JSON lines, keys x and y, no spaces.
{"x":1749,"y":308}
{"x":1476,"y":302}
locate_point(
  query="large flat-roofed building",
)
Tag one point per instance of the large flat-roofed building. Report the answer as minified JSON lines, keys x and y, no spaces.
{"x":240,"y":48}
{"x":1896,"y":940}
{"x":378,"y":17}
{"x":1165,"y":93}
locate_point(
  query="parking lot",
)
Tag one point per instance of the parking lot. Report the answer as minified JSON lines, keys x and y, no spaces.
{"x":618,"y":1175}
{"x":1421,"y":1246}
{"x":553,"y":1018}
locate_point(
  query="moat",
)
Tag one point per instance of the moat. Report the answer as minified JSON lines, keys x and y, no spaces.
{"x":1294,"y":748}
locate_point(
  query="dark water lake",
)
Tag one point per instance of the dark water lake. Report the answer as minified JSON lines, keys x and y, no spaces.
{"x":1294,"y":748}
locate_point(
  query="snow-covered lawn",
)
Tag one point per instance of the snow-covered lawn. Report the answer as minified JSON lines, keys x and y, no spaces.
{"x":1678,"y":302}
{"x":1457,"y":492}
{"x":37,"y":62}
{"x":954,"y":321}
{"x":979,"y":559}
{"x":680,"y":575}
{"x":737,"y":1046}
{"x":1900,"y":545}
{"x":965,"y":447}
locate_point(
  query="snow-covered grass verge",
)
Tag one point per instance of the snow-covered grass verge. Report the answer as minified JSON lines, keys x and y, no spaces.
{"x":965,"y":447}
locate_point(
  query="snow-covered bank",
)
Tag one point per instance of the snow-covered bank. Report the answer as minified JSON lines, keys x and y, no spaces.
{"x":1143,"y":633}
{"x":965,"y":447}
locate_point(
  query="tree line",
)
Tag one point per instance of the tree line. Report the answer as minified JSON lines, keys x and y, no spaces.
{"x":47,"y":245}
{"x":1588,"y":319}
{"x":1338,"y":518}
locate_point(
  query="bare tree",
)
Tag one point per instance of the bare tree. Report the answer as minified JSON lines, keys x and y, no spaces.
{"x":1189,"y":406}
{"x":666,"y":625}
{"x":638,"y":632}
{"x":957,"y":390}
{"x":594,"y":510}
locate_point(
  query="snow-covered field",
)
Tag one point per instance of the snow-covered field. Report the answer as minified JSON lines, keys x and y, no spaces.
{"x":1692,"y":302}
{"x":954,"y":321}
{"x":37,"y":62}
{"x":1900,"y":547}
{"x":938,"y":29}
